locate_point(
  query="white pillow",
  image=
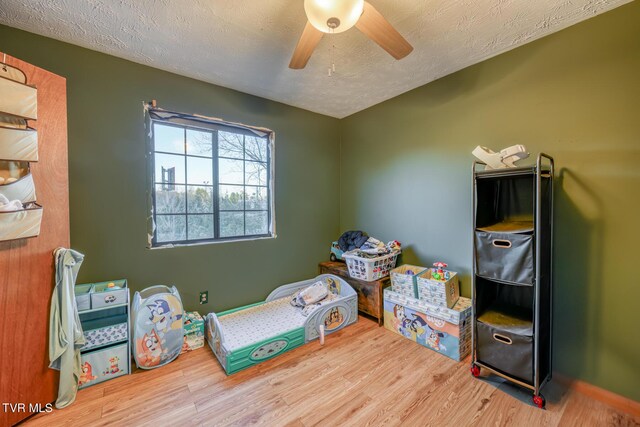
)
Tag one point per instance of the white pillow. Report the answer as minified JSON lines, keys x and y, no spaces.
{"x":310,"y":294}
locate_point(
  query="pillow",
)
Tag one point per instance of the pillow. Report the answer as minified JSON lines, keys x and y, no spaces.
{"x":310,"y":294}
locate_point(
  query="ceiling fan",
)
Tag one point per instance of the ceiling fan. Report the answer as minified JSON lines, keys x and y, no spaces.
{"x":337,"y":16}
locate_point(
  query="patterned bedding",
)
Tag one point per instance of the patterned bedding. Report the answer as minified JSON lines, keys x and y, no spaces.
{"x":260,"y":322}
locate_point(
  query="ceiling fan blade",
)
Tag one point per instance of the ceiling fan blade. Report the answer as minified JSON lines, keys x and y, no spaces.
{"x":378,"y":29}
{"x":308,"y":41}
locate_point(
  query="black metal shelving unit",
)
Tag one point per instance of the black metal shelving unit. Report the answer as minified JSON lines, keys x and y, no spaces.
{"x":512,"y":281}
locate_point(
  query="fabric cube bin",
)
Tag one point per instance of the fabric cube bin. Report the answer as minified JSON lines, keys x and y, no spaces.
{"x":506,"y":257}
{"x":24,"y":189}
{"x":21,"y":224}
{"x":18,"y":99}
{"x":18,"y":144}
{"x":104,"y":331}
{"x":103,"y":364}
{"x":443,"y":293}
{"x":103,"y":296}
{"x":404,"y":279}
{"x":505,"y":351}
{"x":442,"y":329}
{"x":83,"y":296}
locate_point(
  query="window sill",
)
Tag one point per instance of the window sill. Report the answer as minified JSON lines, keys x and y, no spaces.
{"x":211,"y":242}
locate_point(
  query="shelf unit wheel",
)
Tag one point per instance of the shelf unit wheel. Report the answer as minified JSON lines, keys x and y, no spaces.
{"x":475,"y":370}
{"x":539,"y":401}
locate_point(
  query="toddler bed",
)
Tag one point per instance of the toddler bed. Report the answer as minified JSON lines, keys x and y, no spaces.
{"x":248,"y":335}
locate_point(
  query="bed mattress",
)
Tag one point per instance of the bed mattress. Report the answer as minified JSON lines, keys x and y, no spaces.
{"x":254,"y":324}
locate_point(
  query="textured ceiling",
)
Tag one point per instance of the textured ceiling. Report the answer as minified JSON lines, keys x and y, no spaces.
{"x":246,"y":44}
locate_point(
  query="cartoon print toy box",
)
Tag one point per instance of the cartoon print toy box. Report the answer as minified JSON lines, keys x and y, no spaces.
{"x":103,"y":364}
{"x":193,"y":331}
{"x":445,"y":330}
{"x":443,"y":291}
{"x":157,"y":326}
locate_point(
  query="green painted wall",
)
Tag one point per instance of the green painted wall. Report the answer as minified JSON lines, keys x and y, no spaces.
{"x":403,"y":169}
{"x":108,"y":177}
{"x":406,"y":175}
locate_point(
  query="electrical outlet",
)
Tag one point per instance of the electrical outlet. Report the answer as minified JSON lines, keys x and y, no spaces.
{"x":204,"y":297}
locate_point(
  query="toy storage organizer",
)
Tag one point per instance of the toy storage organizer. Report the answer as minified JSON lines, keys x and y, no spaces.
{"x":18,"y":147}
{"x":104,"y":315}
{"x":439,"y":328}
{"x":512,"y":283}
{"x":404,"y":279}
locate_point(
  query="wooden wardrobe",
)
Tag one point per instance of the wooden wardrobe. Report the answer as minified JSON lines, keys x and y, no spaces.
{"x":27,"y":272}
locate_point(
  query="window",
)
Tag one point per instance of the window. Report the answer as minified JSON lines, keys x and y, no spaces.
{"x":210,"y":182}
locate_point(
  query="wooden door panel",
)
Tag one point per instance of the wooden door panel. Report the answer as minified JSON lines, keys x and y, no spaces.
{"x":27,"y":272}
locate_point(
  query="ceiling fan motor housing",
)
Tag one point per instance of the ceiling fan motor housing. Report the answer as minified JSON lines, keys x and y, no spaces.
{"x":333,"y":16}
{"x":333,"y":23}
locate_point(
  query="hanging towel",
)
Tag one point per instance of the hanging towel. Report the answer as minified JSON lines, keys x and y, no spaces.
{"x":65,"y":330}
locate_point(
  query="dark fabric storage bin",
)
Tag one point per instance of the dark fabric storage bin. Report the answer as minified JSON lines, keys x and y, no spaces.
{"x":515,"y":359}
{"x":491,"y":294}
{"x":507,"y":257}
{"x":504,"y":199}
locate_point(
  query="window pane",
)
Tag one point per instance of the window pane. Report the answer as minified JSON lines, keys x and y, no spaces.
{"x":230,"y":145}
{"x":168,"y":138}
{"x":231,"y":197}
{"x":200,"y":200}
{"x":257,"y":223}
{"x":231,"y":171}
{"x":199,"y":171}
{"x":256,"y":198}
{"x":231,"y":224}
{"x":199,"y":143}
{"x":200,"y":227}
{"x":255,"y":148}
{"x":170,"y":198}
{"x":255,"y":173}
{"x":169,"y":169}
{"x":171,"y":228}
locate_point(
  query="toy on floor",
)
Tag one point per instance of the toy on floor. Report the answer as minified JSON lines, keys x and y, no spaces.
{"x":506,"y":158}
{"x":157,"y":326}
{"x":193,"y":331}
{"x":291,"y":315}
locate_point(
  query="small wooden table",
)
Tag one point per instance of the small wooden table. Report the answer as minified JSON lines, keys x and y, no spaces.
{"x":370,"y":299}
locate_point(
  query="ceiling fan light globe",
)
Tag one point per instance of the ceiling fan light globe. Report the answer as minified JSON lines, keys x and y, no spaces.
{"x":324,"y":13}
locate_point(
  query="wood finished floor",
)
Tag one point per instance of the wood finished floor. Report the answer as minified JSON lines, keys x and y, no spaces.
{"x":363,"y":375}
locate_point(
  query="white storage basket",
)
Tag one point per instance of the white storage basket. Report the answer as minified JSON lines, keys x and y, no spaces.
{"x":18,"y":144}
{"x":21,"y":224}
{"x":24,"y":189}
{"x":370,"y":269}
{"x":18,"y":99}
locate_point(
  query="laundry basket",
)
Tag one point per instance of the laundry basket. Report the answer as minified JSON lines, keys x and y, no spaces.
{"x":157,"y":326}
{"x":370,"y":269}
